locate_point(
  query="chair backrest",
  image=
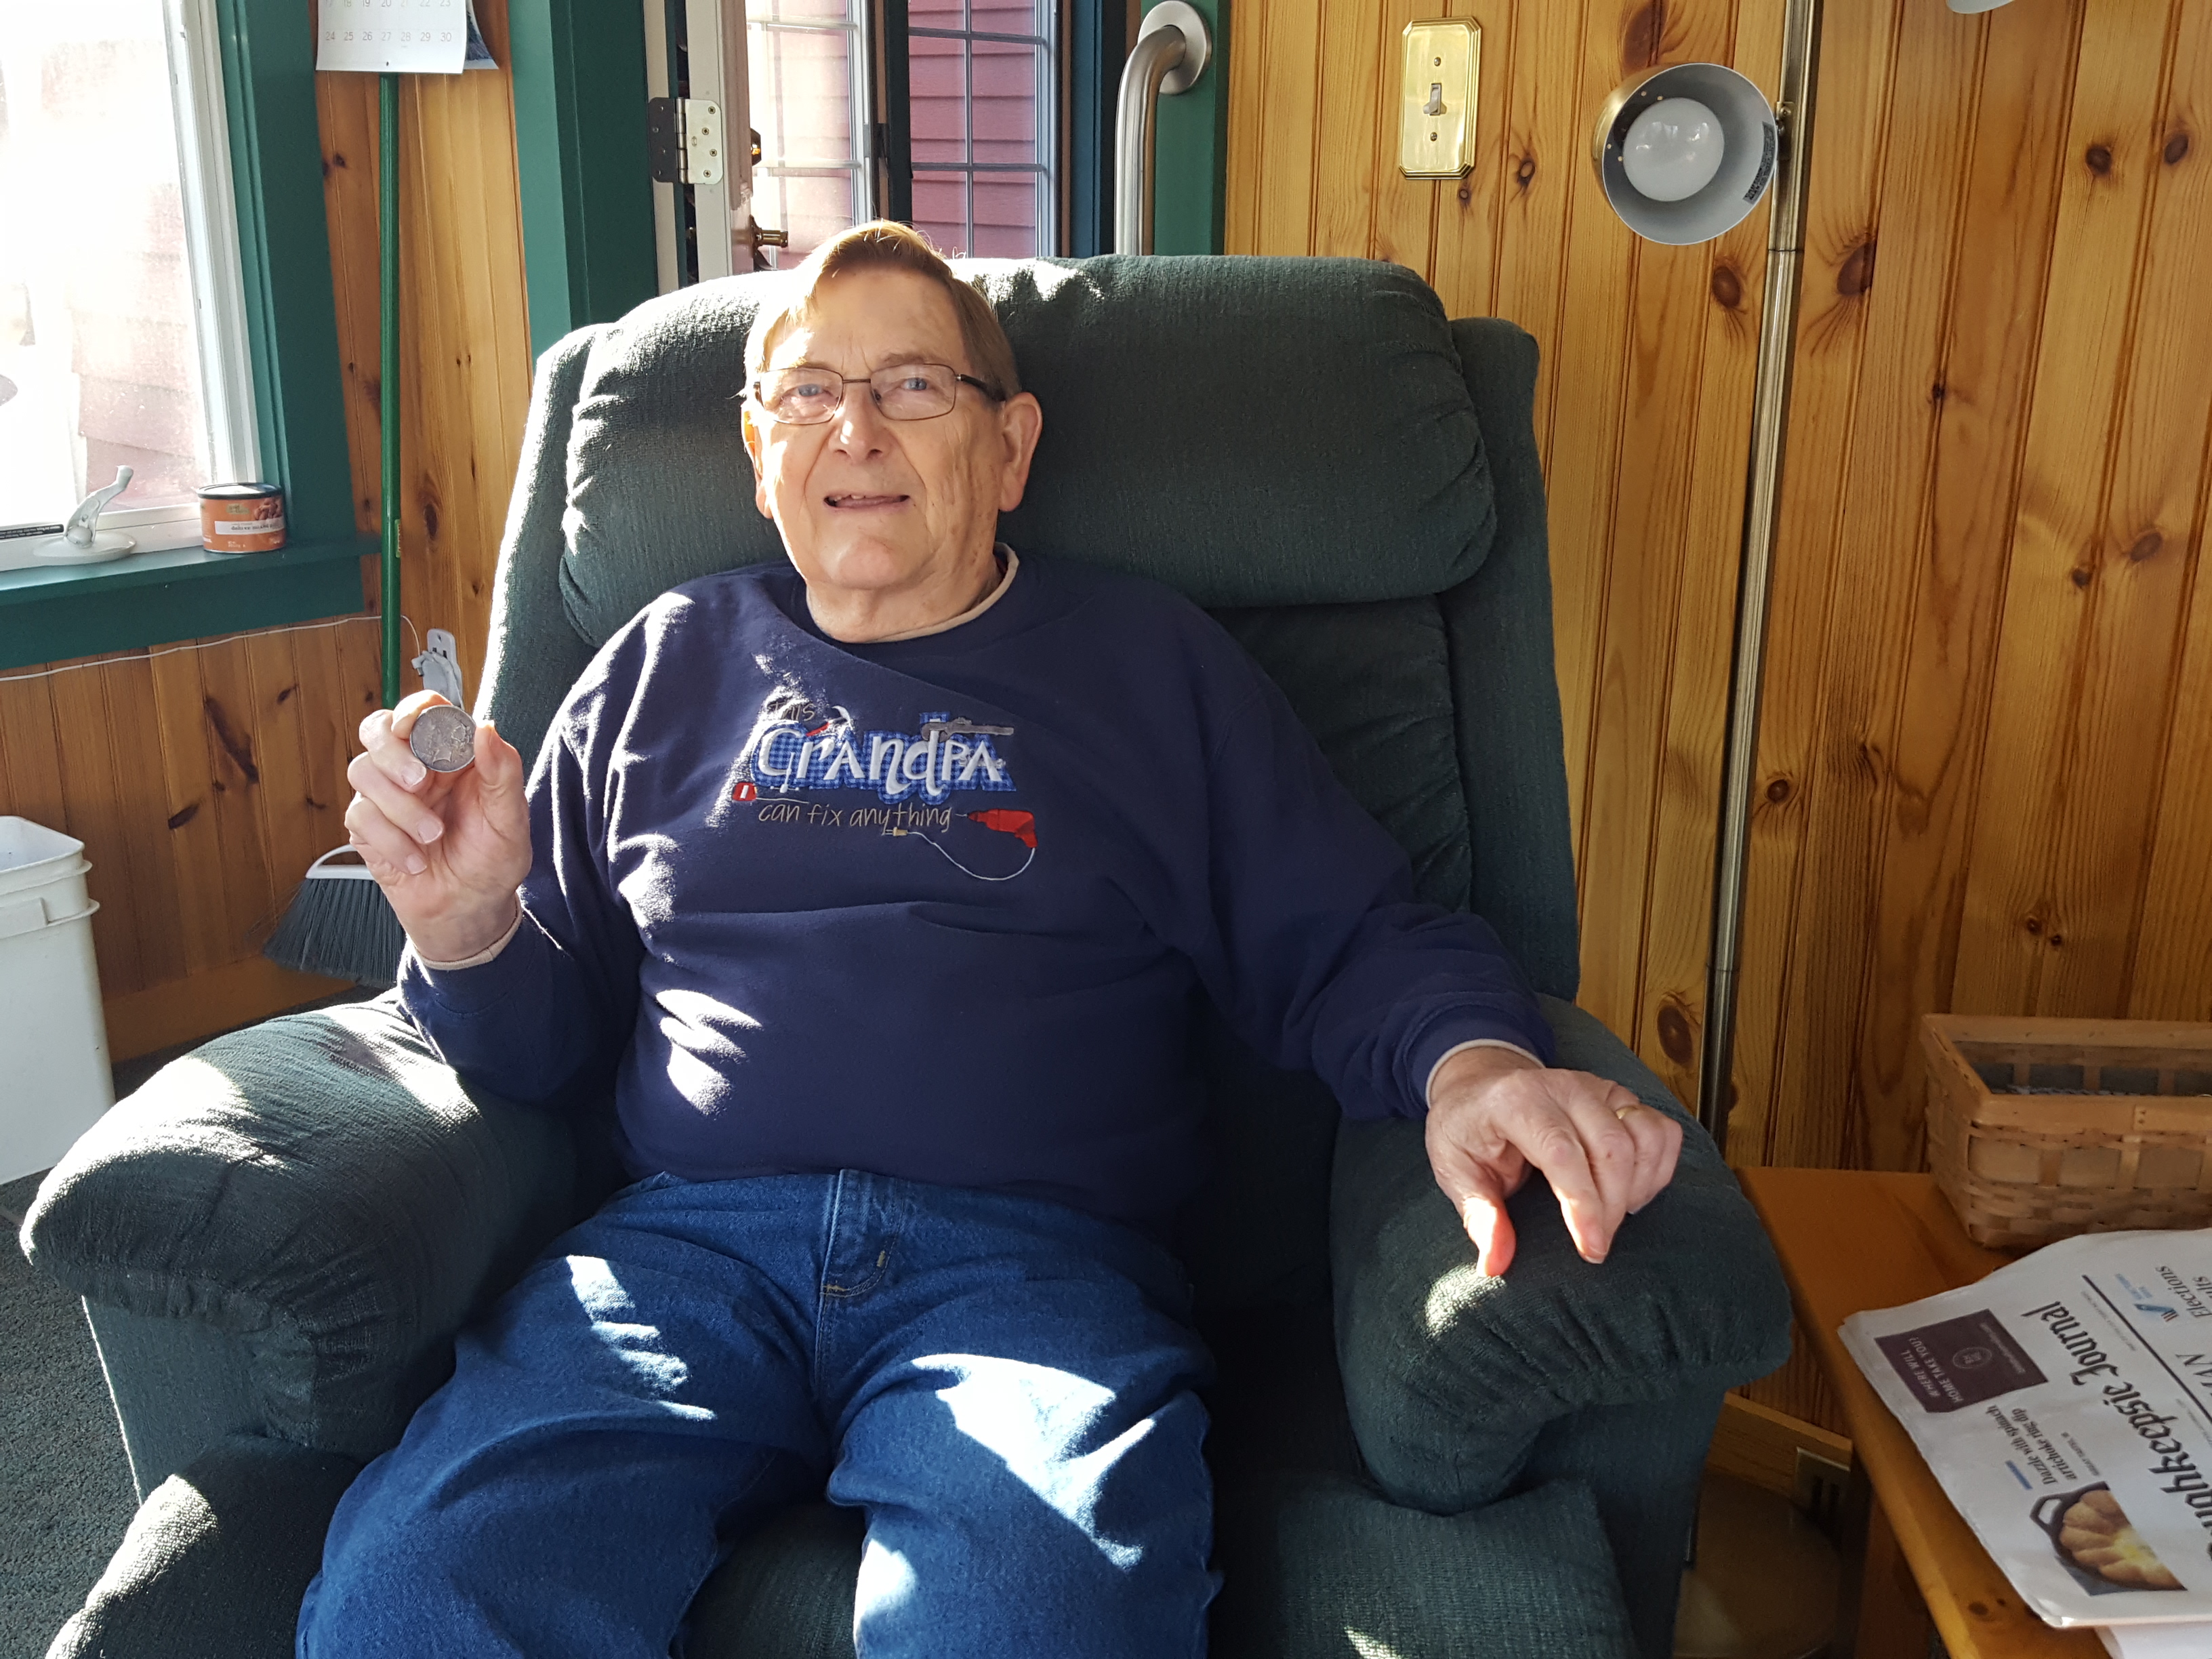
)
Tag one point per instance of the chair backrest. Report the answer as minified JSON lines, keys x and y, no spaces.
{"x":1307,"y":447}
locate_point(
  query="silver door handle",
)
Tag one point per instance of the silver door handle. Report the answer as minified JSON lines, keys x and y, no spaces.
{"x":1171,"y":54}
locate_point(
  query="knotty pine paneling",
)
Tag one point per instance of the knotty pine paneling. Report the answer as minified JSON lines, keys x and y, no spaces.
{"x":203,"y":782}
{"x":1985,"y":762}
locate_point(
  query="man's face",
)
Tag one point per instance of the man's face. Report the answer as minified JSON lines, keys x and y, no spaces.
{"x":870,"y":505}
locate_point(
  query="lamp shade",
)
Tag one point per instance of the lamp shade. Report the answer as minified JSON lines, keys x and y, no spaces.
{"x":1633,"y":135}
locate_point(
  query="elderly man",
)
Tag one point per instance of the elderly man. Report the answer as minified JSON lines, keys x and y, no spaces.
{"x":881,"y":887}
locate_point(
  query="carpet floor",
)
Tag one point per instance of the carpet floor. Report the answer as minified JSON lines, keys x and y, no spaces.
{"x":65,"y":1493}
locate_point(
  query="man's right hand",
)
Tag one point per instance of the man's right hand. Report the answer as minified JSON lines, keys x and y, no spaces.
{"x":449,"y":848}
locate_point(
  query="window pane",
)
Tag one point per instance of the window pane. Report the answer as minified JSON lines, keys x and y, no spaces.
{"x":934,"y":15}
{"x":940,"y":211}
{"x":1004,"y":17}
{"x":806,"y":10}
{"x":937,"y":83}
{"x":98,"y":362}
{"x":812,"y":206}
{"x":802,"y":95}
{"x":1006,"y":102}
{"x":1006,"y":219}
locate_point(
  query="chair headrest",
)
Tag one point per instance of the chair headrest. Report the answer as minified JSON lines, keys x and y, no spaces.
{"x":1249,"y":430}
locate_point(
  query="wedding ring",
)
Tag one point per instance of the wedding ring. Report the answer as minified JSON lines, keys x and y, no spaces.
{"x":1623,"y":1111}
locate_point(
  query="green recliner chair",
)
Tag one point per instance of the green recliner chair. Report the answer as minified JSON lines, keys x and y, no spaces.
{"x":277,"y":1237}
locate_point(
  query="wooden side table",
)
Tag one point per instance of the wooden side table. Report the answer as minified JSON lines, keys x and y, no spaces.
{"x":1850,"y":1240}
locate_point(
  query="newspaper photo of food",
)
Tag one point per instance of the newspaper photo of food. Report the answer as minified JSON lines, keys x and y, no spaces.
{"x":2093,"y":1534}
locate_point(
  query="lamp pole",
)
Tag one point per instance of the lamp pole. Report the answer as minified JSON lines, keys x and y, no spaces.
{"x":1762,"y":518}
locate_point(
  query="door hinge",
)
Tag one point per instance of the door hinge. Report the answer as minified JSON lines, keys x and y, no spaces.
{"x":684,"y":140}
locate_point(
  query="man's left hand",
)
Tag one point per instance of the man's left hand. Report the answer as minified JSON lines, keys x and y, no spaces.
{"x":1494,"y":1114}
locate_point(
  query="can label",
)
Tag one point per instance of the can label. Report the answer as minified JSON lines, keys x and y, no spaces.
{"x":242,"y":524}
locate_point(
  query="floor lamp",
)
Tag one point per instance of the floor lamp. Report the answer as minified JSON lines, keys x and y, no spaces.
{"x":1685,"y":153}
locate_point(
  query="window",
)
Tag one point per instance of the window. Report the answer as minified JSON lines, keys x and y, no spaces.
{"x":122,"y":330}
{"x":980,"y":143}
{"x":983,"y":79}
{"x":808,"y":77}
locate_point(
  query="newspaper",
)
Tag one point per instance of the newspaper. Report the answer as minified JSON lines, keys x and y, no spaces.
{"x":2065,"y":1404}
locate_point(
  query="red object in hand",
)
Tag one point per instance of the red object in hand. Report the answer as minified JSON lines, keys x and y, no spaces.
{"x":1007,"y":821}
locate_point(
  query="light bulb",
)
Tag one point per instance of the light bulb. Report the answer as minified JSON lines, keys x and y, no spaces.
{"x":1673,"y":149}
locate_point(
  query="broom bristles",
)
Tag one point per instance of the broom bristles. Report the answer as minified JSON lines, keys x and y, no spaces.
{"x":340,"y":930}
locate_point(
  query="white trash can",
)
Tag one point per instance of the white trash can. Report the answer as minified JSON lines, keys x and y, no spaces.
{"x":54,"y":1077}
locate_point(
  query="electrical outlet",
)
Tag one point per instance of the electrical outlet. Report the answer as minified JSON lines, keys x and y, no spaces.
{"x":1821,"y":1482}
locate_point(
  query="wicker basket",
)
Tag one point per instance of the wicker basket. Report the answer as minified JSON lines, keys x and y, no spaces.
{"x":2042,"y":1128}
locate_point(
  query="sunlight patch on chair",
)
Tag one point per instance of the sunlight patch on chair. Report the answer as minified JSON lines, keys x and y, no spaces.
{"x":1453,"y":1295}
{"x":1368,"y":1647}
{"x":1032,"y":1418}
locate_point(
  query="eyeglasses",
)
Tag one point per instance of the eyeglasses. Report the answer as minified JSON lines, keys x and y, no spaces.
{"x":808,"y":396}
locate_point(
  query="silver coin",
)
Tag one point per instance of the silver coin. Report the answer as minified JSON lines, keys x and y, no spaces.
{"x":443,"y":738}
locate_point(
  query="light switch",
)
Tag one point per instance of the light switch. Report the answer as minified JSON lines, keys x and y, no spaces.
{"x":1442,"y":68}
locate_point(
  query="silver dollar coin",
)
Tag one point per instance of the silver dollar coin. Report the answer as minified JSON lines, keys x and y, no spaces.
{"x":443,"y":738}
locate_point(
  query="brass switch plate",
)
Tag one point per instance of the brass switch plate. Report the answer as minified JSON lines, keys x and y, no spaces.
{"x":1441,"y":70}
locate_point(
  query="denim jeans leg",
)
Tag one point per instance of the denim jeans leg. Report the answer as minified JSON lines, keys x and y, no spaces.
{"x":1018,"y":1416}
{"x":644,"y":1389}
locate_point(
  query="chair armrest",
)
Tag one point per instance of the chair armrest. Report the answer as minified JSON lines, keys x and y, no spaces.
{"x":323,"y":1189}
{"x":1450,"y":1373}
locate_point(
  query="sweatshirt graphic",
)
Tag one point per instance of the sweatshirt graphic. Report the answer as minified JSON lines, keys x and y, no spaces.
{"x":941,"y":907}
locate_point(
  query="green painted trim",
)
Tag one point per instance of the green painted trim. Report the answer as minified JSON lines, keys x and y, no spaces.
{"x":275,"y":157}
{"x":1191,"y":150}
{"x":150,"y":599}
{"x":583,"y":172}
{"x":1096,"y":32}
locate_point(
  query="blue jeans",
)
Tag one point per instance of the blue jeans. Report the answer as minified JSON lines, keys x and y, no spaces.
{"x":1003,"y":1385}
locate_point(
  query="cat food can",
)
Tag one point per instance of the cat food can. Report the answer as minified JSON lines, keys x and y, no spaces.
{"x":242,"y":518}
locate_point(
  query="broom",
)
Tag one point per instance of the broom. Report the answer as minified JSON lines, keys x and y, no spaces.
{"x":340,"y":925}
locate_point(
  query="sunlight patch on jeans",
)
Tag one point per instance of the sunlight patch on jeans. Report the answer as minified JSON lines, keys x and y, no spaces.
{"x":887,"y":1580}
{"x":1033,"y":1417}
{"x":633,"y":1342}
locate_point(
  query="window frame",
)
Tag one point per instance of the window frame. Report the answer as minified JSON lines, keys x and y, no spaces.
{"x":265,"y":49}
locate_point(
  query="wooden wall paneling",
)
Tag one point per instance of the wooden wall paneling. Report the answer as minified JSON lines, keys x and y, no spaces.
{"x":1404,"y":222}
{"x":474,"y":351}
{"x":141,"y":781}
{"x":1250,"y":36}
{"x":1988,"y":364}
{"x":1670,"y":996}
{"x":295,"y":822}
{"x":1655,"y":461}
{"x":2172,"y":969}
{"x":1344,"y":164}
{"x":345,"y":109}
{"x":2140,"y":587}
{"x":1857,"y":61}
{"x":1465,"y":245}
{"x":233,"y":758}
{"x":1877,"y":575}
{"x":33,"y":751}
{"x":195,"y":838}
{"x":1546,"y":153}
{"x":1589,"y":340}
{"x":92,"y":786}
{"x":2023,"y":904}
{"x":1289,"y":140}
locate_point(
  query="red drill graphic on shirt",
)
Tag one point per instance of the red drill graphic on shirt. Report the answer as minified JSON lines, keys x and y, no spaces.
{"x":1007,"y":821}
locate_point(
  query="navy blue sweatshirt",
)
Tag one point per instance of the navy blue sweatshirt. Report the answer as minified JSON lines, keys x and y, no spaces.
{"x":939,"y":908}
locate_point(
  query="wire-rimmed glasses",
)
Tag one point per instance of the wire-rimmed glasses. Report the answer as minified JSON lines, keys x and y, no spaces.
{"x":807,"y":394}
